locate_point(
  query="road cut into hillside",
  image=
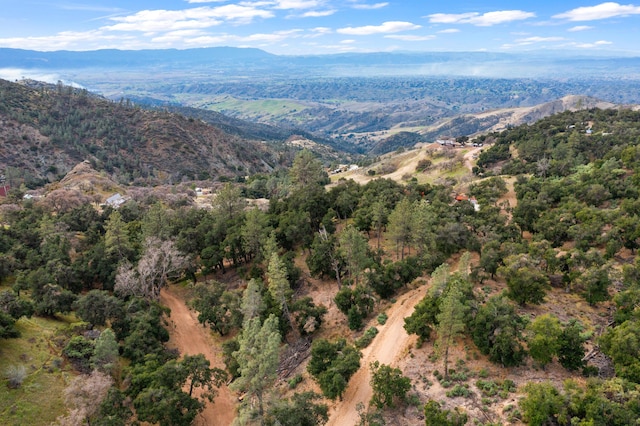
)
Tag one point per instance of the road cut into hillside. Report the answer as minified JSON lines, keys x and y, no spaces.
{"x":191,"y":338}
{"x":391,"y":344}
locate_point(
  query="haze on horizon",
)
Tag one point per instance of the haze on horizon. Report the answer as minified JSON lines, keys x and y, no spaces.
{"x":302,"y":27}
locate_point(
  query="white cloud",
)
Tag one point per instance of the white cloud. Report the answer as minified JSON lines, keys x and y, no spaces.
{"x":12,"y":74}
{"x":528,"y":41}
{"x":347,"y":41}
{"x":449,"y":31}
{"x":321,"y":30}
{"x":532,"y":40}
{"x":176,"y":36}
{"x":590,"y":45}
{"x":201,"y":17}
{"x":318,"y":32}
{"x":268,"y":38}
{"x":370,"y":6}
{"x":451,"y":18}
{"x":580,"y":28}
{"x":485,"y":20}
{"x":298,"y":4}
{"x":601,"y":11}
{"x":384,"y":28}
{"x":406,"y":37}
{"x":318,"y":13}
{"x":69,"y":40}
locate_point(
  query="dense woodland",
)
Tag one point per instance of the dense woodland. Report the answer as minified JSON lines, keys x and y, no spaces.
{"x":575,"y":227}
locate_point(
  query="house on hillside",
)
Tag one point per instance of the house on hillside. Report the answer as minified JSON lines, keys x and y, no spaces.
{"x":446,"y":142}
{"x":472,"y":200}
{"x":4,"y":190}
{"x":115,"y":201}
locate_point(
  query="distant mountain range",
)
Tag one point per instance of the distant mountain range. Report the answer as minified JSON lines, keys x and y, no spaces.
{"x":355,"y":103}
{"x":250,"y":61}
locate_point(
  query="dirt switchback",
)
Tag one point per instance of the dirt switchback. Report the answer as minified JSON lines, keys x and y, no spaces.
{"x":389,"y":345}
{"x":191,"y":338}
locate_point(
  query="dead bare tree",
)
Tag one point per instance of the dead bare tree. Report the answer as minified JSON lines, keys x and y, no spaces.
{"x":84,"y":395}
{"x":160,"y":260}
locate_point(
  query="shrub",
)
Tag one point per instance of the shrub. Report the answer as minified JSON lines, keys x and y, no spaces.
{"x":424,"y":165}
{"x":366,"y":338}
{"x":15,"y":374}
{"x":388,"y":384}
{"x":294,"y":381}
{"x":434,"y":415}
{"x":79,"y":351}
{"x":459,"y":390}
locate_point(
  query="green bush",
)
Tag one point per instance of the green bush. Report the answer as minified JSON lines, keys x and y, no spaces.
{"x":459,"y":390}
{"x":366,"y":338}
{"x":294,"y":381}
{"x":79,"y":351}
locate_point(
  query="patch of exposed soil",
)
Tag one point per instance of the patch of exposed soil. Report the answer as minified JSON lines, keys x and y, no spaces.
{"x":390,"y":345}
{"x":191,"y":338}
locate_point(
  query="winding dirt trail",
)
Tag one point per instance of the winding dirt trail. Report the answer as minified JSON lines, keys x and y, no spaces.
{"x":391,"y":344}
{"x":191,"y":338}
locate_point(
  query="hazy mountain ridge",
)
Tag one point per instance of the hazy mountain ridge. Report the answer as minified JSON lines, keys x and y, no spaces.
{"x":343,"y":100}
{"x":251,"y":60}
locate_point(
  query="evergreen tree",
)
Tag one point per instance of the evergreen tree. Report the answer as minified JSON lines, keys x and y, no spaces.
{"x":543,"y":340}
{"x":307,"y":171}
{"x":526,"y":283}
{"x":388,"y":384}
{"x":571,"y":346}
{"x":354,"y":249}
{"x":401,"y":226}
{"x":255,"y":232}
{"x":278,"y":284}
{"x":105,"y":352}
{"x":258,"y":359}
{"x":450,"y":322}
{"x":252,"y":301}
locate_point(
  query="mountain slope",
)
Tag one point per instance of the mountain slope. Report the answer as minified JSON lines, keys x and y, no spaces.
{"x":489,"y":121}
{"x":46,"y":130}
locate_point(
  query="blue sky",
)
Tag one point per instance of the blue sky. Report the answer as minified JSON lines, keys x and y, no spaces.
{"x":322,"y":26}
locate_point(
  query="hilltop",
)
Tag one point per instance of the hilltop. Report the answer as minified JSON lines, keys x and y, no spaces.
{"x":46,"y":130}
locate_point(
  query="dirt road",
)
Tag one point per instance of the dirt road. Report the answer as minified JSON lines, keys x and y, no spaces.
{"x":391,"y":343}
{"x":191,"y":338}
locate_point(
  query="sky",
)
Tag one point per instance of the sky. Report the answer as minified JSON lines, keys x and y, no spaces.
{"x":301,"y":27}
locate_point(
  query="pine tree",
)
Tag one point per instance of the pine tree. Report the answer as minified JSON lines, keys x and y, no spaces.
{"x":401,"y":225}
{"x":116,"y":236}
{"x":105,"y":353}
{"x":450,"y":322}
{"x":252,"y":302}
{"x":278,"y":283}
{"x":258,"y":359}
{"x":354,"y":250}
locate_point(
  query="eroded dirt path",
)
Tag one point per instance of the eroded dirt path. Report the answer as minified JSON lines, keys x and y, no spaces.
{"x":191,"y":338}
{"x":391,"y":344}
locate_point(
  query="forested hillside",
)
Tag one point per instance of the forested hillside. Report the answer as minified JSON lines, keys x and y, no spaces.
{"x":524,"y":277}
{"x":46,"y":130}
